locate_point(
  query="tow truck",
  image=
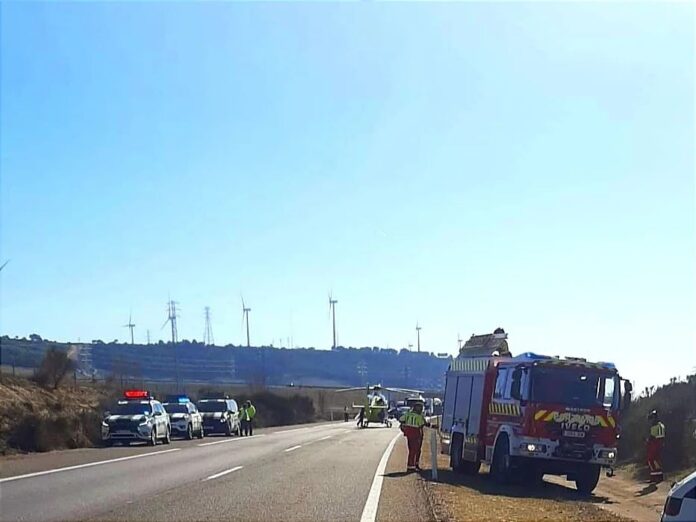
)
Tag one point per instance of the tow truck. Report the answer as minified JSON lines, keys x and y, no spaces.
{"x":531,"y":415}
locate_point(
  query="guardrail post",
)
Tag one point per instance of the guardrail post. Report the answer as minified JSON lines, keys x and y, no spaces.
{"x":433,"y":453}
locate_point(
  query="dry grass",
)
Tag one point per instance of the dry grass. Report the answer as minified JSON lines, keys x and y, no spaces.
{"x":461,"y":498}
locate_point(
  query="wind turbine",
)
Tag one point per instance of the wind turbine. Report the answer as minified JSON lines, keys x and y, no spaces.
{"x":130,"y":325}
{"x":245,"y":317}
{"x":418,"y":329}
{"x":332,"y":311}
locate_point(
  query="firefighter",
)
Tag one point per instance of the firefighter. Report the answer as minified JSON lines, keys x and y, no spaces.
{"x":655,"y":442}
{"x":412,"y":424}
{"x":247,"y":416}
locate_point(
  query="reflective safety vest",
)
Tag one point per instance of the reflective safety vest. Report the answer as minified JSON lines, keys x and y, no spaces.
{"x":248,"y":413}
{"x":657,"y":431}
{"x":413,"y":419}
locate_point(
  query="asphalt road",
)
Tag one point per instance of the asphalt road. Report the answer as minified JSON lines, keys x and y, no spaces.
{"x":316,"y":472}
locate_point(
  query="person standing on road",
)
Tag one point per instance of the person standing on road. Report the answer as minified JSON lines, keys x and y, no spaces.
{"x":247,"y":415}
{"x":412,"y":423}
{"x":655,"y":442}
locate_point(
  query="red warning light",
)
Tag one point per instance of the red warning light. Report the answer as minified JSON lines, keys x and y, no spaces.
{"x":136,"y":394}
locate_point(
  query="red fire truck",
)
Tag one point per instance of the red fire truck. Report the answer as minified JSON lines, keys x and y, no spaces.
{"x":531,"y":415}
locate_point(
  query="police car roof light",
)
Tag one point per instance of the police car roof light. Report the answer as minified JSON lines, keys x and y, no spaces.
{"x":181,"y":399}
{"x":136,"y":394}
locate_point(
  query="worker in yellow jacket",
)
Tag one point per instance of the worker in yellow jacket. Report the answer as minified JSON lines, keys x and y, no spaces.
{"x":654,"y":444}
{"x":246,"y":417}
{"x":412,"y":423}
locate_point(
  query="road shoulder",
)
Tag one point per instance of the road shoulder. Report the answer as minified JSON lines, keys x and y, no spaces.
{"x":404,"y":496}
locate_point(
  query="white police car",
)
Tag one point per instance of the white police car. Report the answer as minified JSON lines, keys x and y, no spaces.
{"x":220,"y":415}
{"x":138,"y":417}
{"x":680,"y":505}
{"x":184,"y":417}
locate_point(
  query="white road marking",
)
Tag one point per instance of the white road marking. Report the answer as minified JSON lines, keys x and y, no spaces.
{"x":324,"y":438}
{"x":293,"y":448}
{"x":217,"y":475}
{"x":288,"y":431}
{"x":229,"y":440}
{"x":370,"y":510}
{"x":88,"y":465}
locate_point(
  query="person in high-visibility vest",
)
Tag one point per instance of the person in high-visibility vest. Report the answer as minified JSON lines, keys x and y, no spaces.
{"x":655,"y":442}
{"x":247,"y":414}
{"x":412,"y":423}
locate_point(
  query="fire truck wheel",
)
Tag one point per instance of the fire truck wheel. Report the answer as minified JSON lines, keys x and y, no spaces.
{"x":586,"y":479}
{"x":501,"y":467}
{"x":456,"y":453}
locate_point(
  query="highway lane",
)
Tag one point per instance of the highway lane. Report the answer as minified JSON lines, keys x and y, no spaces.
{"x":317,"y":472}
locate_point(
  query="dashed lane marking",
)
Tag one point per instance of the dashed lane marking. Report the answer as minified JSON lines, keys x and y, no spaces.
{"x":223,"y":473}
{"x":88,"y":465}
{"x":292,"y":448}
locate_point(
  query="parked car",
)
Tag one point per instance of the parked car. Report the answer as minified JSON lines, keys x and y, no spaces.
{"x":680,"y":505}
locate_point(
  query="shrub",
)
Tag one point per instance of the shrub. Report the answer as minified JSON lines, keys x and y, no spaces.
{"x":54,"y":367}
{"x":676,"y":406}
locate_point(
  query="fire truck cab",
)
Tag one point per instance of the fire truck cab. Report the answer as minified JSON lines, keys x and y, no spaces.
{"x":531,"y":415}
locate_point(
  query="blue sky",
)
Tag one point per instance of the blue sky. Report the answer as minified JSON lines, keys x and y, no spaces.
{"x":466,"y":166}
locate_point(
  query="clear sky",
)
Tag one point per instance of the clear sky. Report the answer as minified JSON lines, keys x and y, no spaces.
{"x":466,"y":166}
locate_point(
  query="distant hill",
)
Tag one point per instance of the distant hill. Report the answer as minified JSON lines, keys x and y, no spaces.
{"x":196,"y":362}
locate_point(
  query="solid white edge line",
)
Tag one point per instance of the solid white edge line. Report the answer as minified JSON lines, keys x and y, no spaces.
{"x":229,"y":440}
{"x":87,"y":465}
{"x":372,"y":503}
{"x":293,"y":448}
{"x":222,"y":473}
{"x":289,"y":431}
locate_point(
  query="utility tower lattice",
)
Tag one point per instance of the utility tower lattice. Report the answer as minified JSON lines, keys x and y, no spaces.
{"x":171,"y":319}
{"x":208,"y":335}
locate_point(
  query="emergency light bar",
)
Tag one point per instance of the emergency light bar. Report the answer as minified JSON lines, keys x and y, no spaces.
{"x":136,"y":394}
{"x":181,"y":399}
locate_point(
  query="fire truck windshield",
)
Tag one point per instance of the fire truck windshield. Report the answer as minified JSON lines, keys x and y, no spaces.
{"x":585,"y":389}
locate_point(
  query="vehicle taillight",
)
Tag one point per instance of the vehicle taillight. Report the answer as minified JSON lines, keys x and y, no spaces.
{"x":673,"y":506}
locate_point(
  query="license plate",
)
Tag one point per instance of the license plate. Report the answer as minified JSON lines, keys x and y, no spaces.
{"x":574,"y":434}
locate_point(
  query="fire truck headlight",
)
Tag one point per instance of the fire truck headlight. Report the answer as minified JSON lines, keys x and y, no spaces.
{"x":533,"y":448}
{"x":611,"y":455}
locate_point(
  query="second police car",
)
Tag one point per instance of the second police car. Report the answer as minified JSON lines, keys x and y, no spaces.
{"x":184,"y":416}
{"x":137,"y":417}
{"x":220,"y":415}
